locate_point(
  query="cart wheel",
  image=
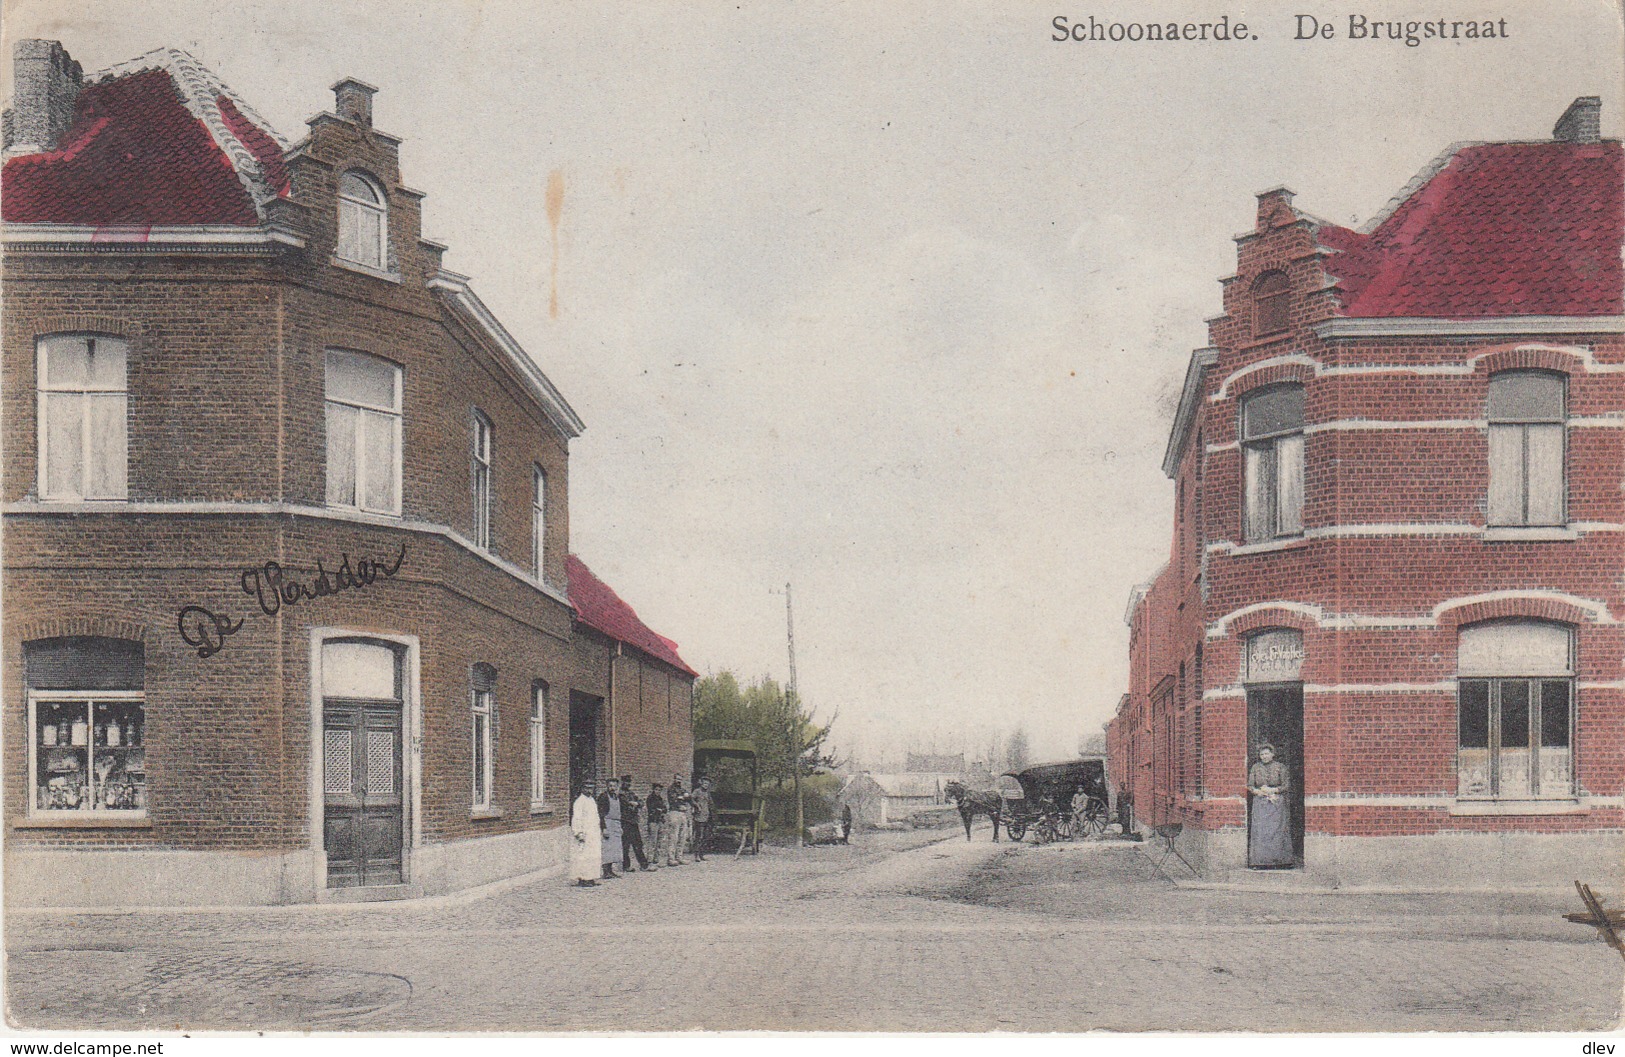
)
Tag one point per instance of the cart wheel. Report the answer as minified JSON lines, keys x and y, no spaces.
{"x":1044,"y":831}
{"x":1063,"y":827}
{"x":1094,"y":819}
{"x":1015,"y":828}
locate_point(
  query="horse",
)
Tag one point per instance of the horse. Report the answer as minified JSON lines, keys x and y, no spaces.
{"x":971,"y":804}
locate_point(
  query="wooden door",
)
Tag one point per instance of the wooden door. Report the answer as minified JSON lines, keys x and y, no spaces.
{"x":361,"y":780}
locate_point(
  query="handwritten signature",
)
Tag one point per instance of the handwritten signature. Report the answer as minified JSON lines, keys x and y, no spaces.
{"x":205,"y":630}
{"x":274,"y":587}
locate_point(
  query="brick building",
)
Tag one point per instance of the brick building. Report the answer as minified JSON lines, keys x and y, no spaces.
{"x":1398,"y":552}
{"x":290,"y":609}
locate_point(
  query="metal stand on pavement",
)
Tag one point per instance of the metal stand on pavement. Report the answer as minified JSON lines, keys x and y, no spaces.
{"x":1167,"y":833}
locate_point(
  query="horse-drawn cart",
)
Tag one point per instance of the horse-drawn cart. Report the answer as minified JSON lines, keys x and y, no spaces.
{"x":736,"y":807}
{"x":1058,"y":800}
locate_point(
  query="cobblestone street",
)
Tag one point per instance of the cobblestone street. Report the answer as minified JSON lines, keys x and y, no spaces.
{"x":902,"y":932}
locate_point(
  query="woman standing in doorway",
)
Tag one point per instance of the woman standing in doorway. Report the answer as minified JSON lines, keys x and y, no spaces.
{"x":1269,"y":838}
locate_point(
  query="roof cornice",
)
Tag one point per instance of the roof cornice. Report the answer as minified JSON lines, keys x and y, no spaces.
{"x":209,"y":237}
{"x":1344,"y":327}
{"x":1189,"y":401}
{"x":461,"y":296}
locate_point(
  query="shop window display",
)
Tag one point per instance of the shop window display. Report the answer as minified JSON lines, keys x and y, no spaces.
{"x":87,"y":726}
{"x":89,"y":754}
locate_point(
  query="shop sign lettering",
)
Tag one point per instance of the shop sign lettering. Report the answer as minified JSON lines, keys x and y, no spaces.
{"x":273,"y":587}
{"x":1274,"y":656}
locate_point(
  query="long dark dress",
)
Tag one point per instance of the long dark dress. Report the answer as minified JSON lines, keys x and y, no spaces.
{"x":1269,"y":838}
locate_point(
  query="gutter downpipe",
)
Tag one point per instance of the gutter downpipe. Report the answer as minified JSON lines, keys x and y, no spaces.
{"x":613,"y":762}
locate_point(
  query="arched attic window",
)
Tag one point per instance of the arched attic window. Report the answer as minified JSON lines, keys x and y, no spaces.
{"x":363,"y":222}
{"x":1272,"y":296}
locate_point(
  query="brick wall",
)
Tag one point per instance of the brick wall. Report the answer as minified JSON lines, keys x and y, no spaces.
{"x":226,"y":406}
{"x":1394,"y":557}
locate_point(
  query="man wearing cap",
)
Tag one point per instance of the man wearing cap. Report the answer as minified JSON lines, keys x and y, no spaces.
{"x":631,"y":827}
{"x":700,"y":804}
{"x":659,"y":838}
{"x":678,"y":816}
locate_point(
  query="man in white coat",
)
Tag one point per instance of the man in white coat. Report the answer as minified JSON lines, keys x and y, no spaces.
{"x":588,"y":833}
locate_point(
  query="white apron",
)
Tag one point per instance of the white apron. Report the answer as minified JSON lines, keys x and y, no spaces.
{"x":585,"y":833}
{"x":612,"y":833}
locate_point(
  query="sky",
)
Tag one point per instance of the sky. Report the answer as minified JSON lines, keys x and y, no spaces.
{"x":887,"y":302}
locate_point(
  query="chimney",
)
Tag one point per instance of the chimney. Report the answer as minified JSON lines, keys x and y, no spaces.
{"x":46,"y":89}
{"x":1581,"y":122}
{"x":1275,"y":207}
{"x":353,"y":101}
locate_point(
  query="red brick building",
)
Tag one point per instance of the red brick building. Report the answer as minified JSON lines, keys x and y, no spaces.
{"x":290,"y":609}
{"x":1400,"y":534}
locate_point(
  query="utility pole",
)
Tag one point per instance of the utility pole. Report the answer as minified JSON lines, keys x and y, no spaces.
{"x":795,"y":718}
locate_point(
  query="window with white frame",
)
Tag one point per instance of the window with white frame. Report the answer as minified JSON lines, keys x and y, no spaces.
{"x":1272,"y":452}
{"x":481,"y":480}
{"x":483,"y":731}
{"x":86,"y":722}
{"x":538,"y":744}
{"x":538,"y":523}
{"x":363,"y":222}
{"x":363,"y":432}
{"x":1527,"y":417}
{"x":83,"y":426}
{"x":1516,"y":711}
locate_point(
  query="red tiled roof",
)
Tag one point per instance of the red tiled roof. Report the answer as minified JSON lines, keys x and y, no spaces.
{"x":600,"y":608}
{"x":259,"y":142}
{"x":157,"y":142}
{"x":1500,"y":229}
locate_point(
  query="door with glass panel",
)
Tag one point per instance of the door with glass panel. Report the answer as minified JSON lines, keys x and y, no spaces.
{"x":362,"y":823}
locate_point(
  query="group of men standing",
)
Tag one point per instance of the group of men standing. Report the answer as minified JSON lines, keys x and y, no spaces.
{"x":607,"y":827}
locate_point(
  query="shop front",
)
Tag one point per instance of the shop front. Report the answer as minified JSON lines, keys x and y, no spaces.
{"x":1272,"y":679}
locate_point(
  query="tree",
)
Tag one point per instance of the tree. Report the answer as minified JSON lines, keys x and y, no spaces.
{"x":1016,"y":750}
{"x":762,"y":713}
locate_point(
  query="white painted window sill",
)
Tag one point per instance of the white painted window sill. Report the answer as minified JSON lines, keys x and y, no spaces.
{"x":1266,"y":546}
{"x":480,"y":813}
{"x":365,"y":269}
{"x":540,"y":809}
{"x":1519,"y":807}
{"x":86,"y":821}
{"x":1530,"y":533}
{"x":393,"y":515}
